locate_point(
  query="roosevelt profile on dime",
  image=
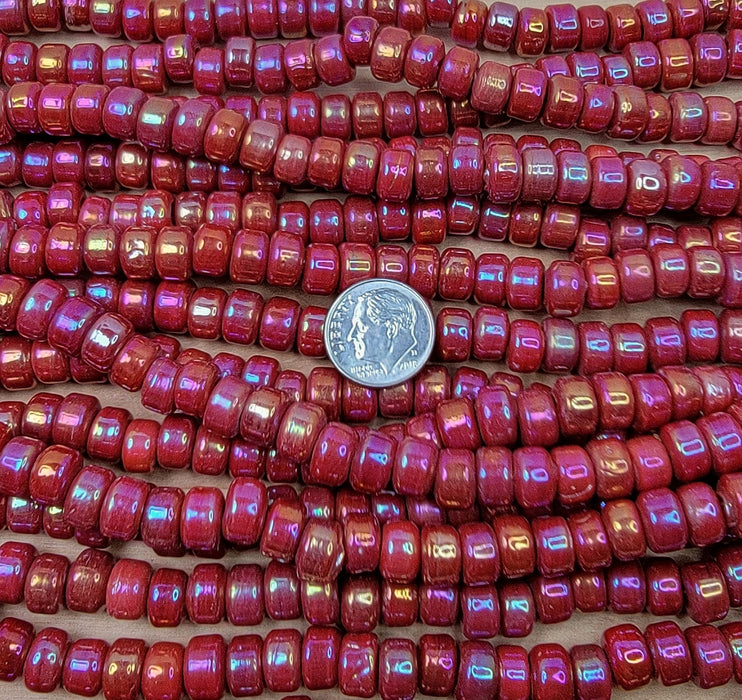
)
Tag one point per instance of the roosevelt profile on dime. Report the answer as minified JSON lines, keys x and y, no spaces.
{"x":383,"y":328}
{"x":379,"y":332}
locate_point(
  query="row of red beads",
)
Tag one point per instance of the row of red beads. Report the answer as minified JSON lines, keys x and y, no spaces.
{"x":79,"y":325}
{"x":245,"y":593}
{"x":671,"y":64}
{"x":283,"y":260}
{"x":361,"y":665}
{"x":358,"y":220}
{"x":479,"y":554}
{"x":535,"y":415}
{"x":95,"y":501}
{"x":497,"y":168}
{"x":641,"y":403}
{"x":530,"y":477}
{"x":199,"y":127}
{"x":501,"y":27}
{"x":103,"y":166}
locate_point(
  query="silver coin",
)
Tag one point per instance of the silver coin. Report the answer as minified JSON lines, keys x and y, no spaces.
{"x":379,"y":333}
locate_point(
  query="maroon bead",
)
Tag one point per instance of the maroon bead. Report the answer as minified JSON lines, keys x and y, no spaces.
{"x":83,"y":667}
{"x":320,"y":652}
{"x":166,"y":598}
{"x":205,"y":594}
{"x":320,"y":551}
{"x":663,"y":519}
{"x":204,"y":667}
{"x":281,"y":591}
{"x":282,"y":530}
{"x":200,"y":522}
{"x":51,"y":474}
{"x":706,"y":595}
{"x":670,"y":652}
{"x":592,"y":550}
{"x":551,"y":671}
{"x":702,"y":512}
{"x":122,"y":667}
{"x":162,"y":671}
{"x":711,"y":656}
{"x":244,"y":665}
{"x":17,"y":559}
{"x":244,"y":595}
{"x":126,"y":595}
{"x":42,"y":670}
{"x":45,"y":583}
{"x":628,"y":656}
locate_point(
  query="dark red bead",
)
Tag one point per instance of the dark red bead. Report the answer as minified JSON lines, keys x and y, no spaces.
{"x":711,"y":656}
{"x":670,"y":652}
{"x":42,"y":671}
{"x":628,"y":655}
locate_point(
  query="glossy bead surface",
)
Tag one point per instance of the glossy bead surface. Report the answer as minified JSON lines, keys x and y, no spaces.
{"x":200,"y":522}
{"x":551,"y":671}
{"x":166,"y":597}
{"x":42,"y":671}
{"x":51,"y":474}
{"x":711,"y":656}
{"x":83,"y":667}
{"x":628,"y":656}
{"x":702,"y":512}
{"x":359,"y":655}
{"x":126,"y":595}
{"x":122,"y":667}
{"x":670,"y":652}
{"x":162,"y":671}
{"x":707,"y":598}
{"x":397,"y":669}
{"x":45,"y":583}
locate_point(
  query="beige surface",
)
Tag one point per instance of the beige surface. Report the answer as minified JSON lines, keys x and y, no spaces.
{"x":580,"y":629}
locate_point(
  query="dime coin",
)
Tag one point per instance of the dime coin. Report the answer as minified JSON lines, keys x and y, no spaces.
{"x":379,"y":332}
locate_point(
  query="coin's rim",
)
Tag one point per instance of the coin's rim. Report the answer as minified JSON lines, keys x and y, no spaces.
{"x":406,"y":289}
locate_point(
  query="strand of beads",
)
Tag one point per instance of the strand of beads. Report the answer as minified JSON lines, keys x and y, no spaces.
{"x":705,"y":59}
{"x":77,"y":325}
{"x":195,"y":126}
{"x":454,"y":466}
{"x":562,"y":289}
{"x":246,"y":593}
{"x":501,"y":27}
{"x":200,"y":519}
{"x":323,"y":658}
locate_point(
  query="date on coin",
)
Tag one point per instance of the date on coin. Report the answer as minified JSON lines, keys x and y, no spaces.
{"x":379,"y":333}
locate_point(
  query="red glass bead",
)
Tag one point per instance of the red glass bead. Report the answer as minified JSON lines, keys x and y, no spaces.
{"x":52,"y":471}
{"x":200,"y":522}
{"x":205,"y":594}
{"x":83,"y":667}
{"x":711,"y":656}
{"x":244,"y":512}
{"x":122,"y":667}
{"x":706,"y":595}
{"x":166,"y":597}
{"x":17,"y":559}
{"x":360,"y":604}
{"x":400,"y":552}
{"x":670,"y":652}
{"x":162,"y":671}
{"x":320,"y":552}
{"x":628,"y":656}
{"x":702,"y":513}
{"x":357,"y":670}
{"x":414,"y":467}
{"x":42,"y":670}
